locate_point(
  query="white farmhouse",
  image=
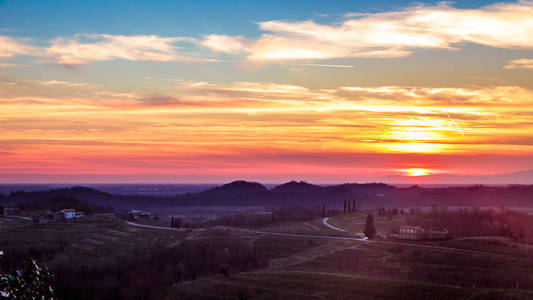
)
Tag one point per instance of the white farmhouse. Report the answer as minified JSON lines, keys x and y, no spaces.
{"x":69,"y":213}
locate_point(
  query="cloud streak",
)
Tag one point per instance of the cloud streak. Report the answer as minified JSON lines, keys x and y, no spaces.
{"x":10,"y":47}
{"x":204,"y":127}
{"x":523,"y":63}
{"x":63,"y":83}
{"x":225,"y":43}
{"x":86,"y":48}
{"x":398,"y":33}
{"x":358,"y":35}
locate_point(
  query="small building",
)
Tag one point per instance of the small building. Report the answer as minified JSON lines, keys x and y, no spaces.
{"x":140,"y":213}
{"x":69,"y":213}
{"x":411,"y":233}
{"x":9,"y":211}
{"x":417,"y":233}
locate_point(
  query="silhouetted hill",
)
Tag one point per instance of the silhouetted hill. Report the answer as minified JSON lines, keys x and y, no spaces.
{"x":88,"y":195}
{"x":235,"y":193}
{"x":80,"y":192}
{"x":243,"y":193}
{"x":56,"y":203}
{"x":238,"y":188}
{"x":368,"y":188}
{"x":296,"y":187}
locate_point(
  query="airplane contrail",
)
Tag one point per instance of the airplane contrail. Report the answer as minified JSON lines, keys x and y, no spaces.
{"x":455,"y":123}
{"x":323,"y":65}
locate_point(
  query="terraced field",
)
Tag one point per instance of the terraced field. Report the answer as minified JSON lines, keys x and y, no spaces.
{"x":355,"y":223}
{"x":299,"y":266}
{"x":120,"y":240}
{"x":7,"y":223}
{"x":87,"y":243}
{"x":315,"y":285}
{"x":306,"y":268}
{"x":301,"y":227}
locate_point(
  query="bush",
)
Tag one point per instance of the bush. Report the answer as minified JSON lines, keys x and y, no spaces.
{"x":30,"y":282}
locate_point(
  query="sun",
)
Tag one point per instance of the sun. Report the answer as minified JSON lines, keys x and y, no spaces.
{"x":417,"y":172}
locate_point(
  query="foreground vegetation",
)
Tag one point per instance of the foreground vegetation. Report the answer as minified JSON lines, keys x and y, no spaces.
{"x":114,"y":260}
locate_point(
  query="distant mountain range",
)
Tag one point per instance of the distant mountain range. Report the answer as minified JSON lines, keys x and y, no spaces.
{"x":244,"y":193}
{"x":522,"y":177}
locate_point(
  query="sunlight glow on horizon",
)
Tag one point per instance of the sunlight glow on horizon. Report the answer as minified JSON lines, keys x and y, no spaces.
{"x":417,"y":172}
{"x":444,"y":86}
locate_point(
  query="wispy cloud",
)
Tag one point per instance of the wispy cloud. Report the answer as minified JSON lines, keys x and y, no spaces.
{"x":63,"y":83}
{"x":264,"y":123}
{"x":6,"y":65}
{"x":361,"y":35}
{"x":10,"y":46}
{"x":523,"y":63}
{"x":86,"y":48}
{"x":424,"y":96}
{"x":323,"y":65}
{"x":396,"y":34}
{"x":225,"y":43}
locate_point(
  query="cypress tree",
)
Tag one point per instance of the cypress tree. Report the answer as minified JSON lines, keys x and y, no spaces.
{"x":345,"y":205}
{"x":370,"y":230}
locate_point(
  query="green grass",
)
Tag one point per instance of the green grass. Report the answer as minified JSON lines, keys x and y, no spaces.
{"x":489,"y":244}
{"x":279,"y":246}
{"x":84,"y":243}
{"x":355,"y":223}
{"x":6,"y":223}
{"x":419,"y":264}
{"x":312,"y":285}
{"x":312,"y":268}
{"x":314,"y":226}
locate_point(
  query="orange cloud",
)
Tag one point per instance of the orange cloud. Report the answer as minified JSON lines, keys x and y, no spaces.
{"x":63,"y":83}
{"x":222,"y":129}
{"x":523,"y":63}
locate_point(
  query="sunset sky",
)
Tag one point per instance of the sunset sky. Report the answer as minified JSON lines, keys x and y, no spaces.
{"x":323,"y":91}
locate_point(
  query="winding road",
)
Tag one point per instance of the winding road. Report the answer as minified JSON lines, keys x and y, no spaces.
{"x":366,"y":240}
{"x":19,"y":217}
{"x":156,"y":227}
{"x":325,"y":222}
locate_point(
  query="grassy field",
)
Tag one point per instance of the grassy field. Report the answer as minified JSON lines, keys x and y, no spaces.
{"x":355,"y":223}
{"x":84,"y":243}
{"x":7,"y":223}
{"x":429,"y":265}
{"x":296,"y":267}
{"x":315,"y":285}
{"x":314,"y":226}
{"x":275,"y":247}
{"x":492,"y":268}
